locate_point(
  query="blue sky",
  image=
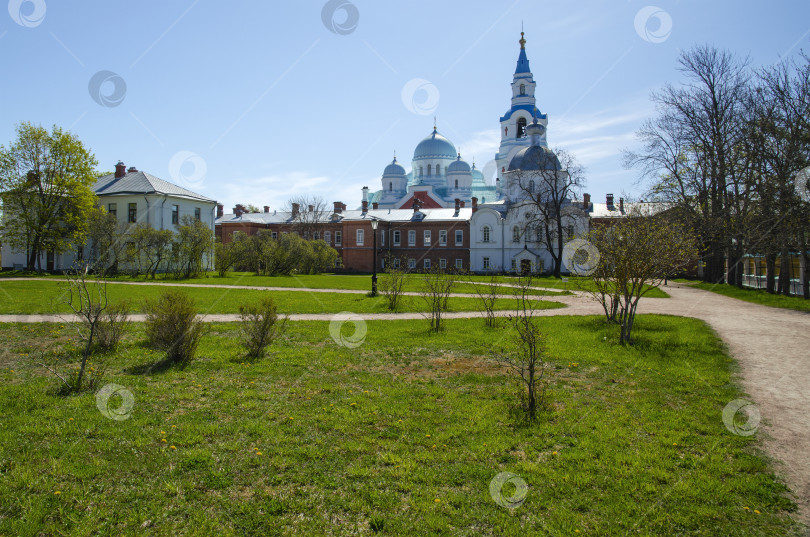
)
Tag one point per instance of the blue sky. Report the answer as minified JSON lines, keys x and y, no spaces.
{"x":258,"y":101}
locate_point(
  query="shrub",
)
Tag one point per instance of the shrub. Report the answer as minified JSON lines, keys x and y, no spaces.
{"x":114,"y":323}
{"x":172,"y":326}
{"x":260,"y":326}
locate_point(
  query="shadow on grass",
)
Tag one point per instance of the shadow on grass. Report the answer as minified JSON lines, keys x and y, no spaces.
{"x":161,"y":366}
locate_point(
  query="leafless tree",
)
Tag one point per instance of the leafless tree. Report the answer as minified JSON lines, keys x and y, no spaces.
{"x":549,"y":180}
{"x":488,"y":291}
{"x":392,"y":282}
{"x":311,"y":214}
{"x":437,"y":284}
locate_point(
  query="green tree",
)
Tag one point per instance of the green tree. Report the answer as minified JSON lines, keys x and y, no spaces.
{"x":46,"y":182}
{"x":105,"y":237}
{"x":193,"y":246}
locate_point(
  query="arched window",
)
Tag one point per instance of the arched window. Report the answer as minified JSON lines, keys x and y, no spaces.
{"x":421,"y":171}
{"x":391,"y":185}
{"x":521,"y":127}
{"x":523,"y":89}
{"x":456,"y":183}
{"x":485,"y":233}
{"x":538,"y":234}
{"x":428,"y":169}
{"x":531,"y":186}
{"x":515,"y":234}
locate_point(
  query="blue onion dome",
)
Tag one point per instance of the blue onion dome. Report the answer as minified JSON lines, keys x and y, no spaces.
{"x":458,"y":166}
{"x":435,"y":146}
{"x":394,"y":169}
{"x":477,"y":175}
{"x":535,"y":158}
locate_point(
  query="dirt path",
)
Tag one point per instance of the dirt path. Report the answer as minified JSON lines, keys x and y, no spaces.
{"x":771,"y":345}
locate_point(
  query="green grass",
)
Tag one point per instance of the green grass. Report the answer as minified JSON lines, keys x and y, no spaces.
{"x":756,"y":296}
{"x":366,"y":440}
{"x":48,"y":296}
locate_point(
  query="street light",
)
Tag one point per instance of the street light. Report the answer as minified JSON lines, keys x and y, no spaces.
{"x":374,"y":224}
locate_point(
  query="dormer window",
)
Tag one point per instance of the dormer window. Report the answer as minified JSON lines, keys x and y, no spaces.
{"x":523,"y":89}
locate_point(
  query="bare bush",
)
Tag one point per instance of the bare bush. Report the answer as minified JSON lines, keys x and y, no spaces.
{"x":488,"y":291}
{"x":392,"y":283}
{"x":436,"y":287}
{"x":260,"y":326}
{"x":114,"y":324}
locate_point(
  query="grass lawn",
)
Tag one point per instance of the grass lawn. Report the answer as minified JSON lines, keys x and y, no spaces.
{"x":48,"y":296}
{"x":402,"y":435}
{"x":756,"y":296}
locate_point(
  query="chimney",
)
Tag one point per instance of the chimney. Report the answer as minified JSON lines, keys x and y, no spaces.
{"x":474,"y":204}
{"x":237,"y":211}
{"x":295,"y":209}
{"x":375,"y":205}
{"x":609,"y":201}
{"x":463,"y":204}
{"x":339,"y":207}
{"x":586,"y":201}
{"x":417,"y":204}
{"x":132,"y":169}
{"x":311,"y":208}
{"x":267,"y":208}
{"x":220,"y":210}
{"x":365,"y":193}
{"x":365,"y":206}
{"x":120,"y":170}
{"x":621,"y":205}
{"x":458,"y":205}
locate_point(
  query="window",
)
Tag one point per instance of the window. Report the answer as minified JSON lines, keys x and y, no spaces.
{"x":390,"y":185}
{"x":426,"y":264}
{"x":459,"y":263}
{"x":443,"y":237}
{"x":112,"y":208}
{"x":514,"y":265}
{"x":459,"y":237}
{"x":515,"y":234}
{"x":175,"y":214}
{"x":397,"y":235}
{"x":411,"y":238}
{"x":316,"y":235}
{"x":306,"y":235}
{"x":338,"y":238}
{"x":382,"y":263}
{"x":133,"y":212}
{"x":570,"y":232}
{"x":442,"y":263}
{"x":421,"y":171}
{"x":396,"y":262}
{"x":327,"y":236}
{"x":274,"y":234}
{"x":521,"y":127}
{"x":197,"y":213}
{"x":485,"y":233}
{"x":382,"y":237}
{"x":523,"y":89}
{"x":338,"y":261}
{"x":411,"y":263}
{"x":486,"y":263}
{"x":427,"y":237}
{"x":361,"y":235}
{"x":456,"y":183}
{"x":531,"y":186}
{"x":538,"y":231}
{"x":428,"y":169}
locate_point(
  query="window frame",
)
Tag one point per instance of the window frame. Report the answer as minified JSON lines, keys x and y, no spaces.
{"x":443,"y":237}
{"x":338,"y":238}
{"x":132,"y":213}
{"x":411,"y":237}
{"x":360,"y":237}
{"x":427,"y":237}
{"x":397,"y":237}
{"x":459,"y":232}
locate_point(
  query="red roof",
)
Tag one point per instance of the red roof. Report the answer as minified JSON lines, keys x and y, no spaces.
{"x":422,"y":196}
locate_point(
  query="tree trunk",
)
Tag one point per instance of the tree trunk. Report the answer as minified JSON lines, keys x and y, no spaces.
{"x":784,"y":272}
{"x":770,"y":268}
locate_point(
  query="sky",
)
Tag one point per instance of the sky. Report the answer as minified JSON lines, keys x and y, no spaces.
{"x":258,"y":101}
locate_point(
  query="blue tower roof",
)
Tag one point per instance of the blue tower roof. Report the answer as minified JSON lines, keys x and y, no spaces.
{"x":523,"y":61}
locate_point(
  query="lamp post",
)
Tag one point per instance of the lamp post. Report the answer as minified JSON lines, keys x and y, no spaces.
{"x":374,"y":224}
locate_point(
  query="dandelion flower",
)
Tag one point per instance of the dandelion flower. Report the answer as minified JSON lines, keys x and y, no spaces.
{"x":747,"y":509}
{"x":163,"y":440}
{"x":70,"y":419}
{"x":57,"y":493}
{"x":172,"y":447}
{"x":757,"y":511}
{"x":258,"y":453}
{"x":427,"y":436}
{"x":437,"y":500}
{"x":162,"y":432}
{"x":174,"y":426}
{"x":554,"y":453}
{"x":353,"y":404}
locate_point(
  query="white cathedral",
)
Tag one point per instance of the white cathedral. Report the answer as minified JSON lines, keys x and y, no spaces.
{"x":438,"y":173}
